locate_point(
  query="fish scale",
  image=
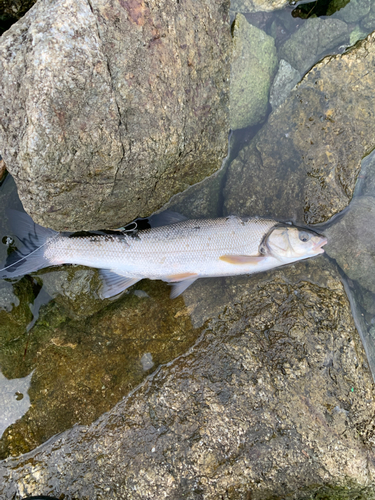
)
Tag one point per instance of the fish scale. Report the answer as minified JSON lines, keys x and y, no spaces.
{"x":165,"y":247}
{"x":178,"y":253}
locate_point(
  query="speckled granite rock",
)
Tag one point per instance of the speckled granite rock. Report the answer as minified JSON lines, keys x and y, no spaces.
{"x":275,"y":400}
{"x":257,"y":5}
{"x":254,"y":63}
{"x":118,"y":106}
{"x":303,"y":164}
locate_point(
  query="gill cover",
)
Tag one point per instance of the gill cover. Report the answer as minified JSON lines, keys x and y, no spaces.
{"x":289,"y":242}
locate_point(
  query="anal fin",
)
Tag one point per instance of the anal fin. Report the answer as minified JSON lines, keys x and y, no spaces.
{"x":179,"y":287}
{"x":180,"y":282}
{"x":113,"y":283}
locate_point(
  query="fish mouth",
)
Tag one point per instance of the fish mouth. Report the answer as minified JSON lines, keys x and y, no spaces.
{"x":318,"y":247}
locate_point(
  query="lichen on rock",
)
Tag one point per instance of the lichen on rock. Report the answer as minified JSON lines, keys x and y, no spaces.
{"x":254,"y":64}
{"x":118,"y":106}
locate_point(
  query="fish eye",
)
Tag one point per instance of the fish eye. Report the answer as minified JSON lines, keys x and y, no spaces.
{"x":304,"y":236}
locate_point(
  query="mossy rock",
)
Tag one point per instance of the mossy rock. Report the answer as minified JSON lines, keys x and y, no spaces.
{"x":254,"y":63}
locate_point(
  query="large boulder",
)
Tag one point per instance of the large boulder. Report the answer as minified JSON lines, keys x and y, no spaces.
{"x":109,"y":108}
{"x":303,"y":164}
{"x":274,"y":401}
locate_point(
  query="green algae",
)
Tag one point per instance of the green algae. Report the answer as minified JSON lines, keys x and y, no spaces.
{"x":83,"y":367}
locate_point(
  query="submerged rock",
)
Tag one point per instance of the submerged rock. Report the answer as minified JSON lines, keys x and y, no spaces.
{"x":315,"y":37}
{"x":286,"y":78}
{"x":75,"y":289}
{"x":118,"y":106}
{"x":254,"y":64}
{"x":349,"y":11}
{"x":303,"y":164}
{"x":275,"y":400}
{"x":357,"y":34}
{"x":368,"y":22}
{"x":82,"y":367}
{"x":352,"y":241}
{"x":15,"y":313}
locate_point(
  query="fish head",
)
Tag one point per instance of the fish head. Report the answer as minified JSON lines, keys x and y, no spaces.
{"x":291,"y":242}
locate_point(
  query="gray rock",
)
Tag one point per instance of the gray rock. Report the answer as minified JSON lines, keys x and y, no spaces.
{"x":201,"y":200}
{"x":286,"y":78}
{"x":365,"y":185}
{"x":257,"y":5}
{"x":349,"y":11}
{"x":357,"y":34}
{"x":352,"y":241}
{"x":368,"y":22}
{"x":315,"y":37}
{"x":303,"y":164}
{"x":117,"y":106}
{"x":274,"y":401}
{"x":254,"y":64}
{"x":8,"y":299}
{"x":75,"y":289}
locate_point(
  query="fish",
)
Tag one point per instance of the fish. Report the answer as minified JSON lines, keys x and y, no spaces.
{"x":170,"y":248}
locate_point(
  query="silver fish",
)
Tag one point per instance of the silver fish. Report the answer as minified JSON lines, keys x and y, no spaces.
{"x":178,"y":253}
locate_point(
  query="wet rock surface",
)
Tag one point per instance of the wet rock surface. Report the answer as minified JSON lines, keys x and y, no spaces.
{"x":75,"y":289}
{"x":257,"y":5}
{"x":303,"y":164}
{"x":83,"y":367}
{"x":95,"y":138}
{"x":352,"y":241}
{"x":254,"y":63}
{"x":212,"y":424}
{"x":351,"y":11}
{"x":285,"y":80}
{"x":315,"y":37}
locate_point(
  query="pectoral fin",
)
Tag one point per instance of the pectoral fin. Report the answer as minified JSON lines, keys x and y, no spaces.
{"x":113,"y":283}
{"x":241,"y":259}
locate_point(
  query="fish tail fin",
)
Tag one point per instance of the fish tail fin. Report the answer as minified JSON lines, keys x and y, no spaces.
{"x":33,"y":238}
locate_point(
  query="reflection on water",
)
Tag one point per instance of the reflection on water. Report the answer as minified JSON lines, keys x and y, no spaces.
{"x":14,"y":400}
{"x":81,"y":354}
{"x":352,"y":245}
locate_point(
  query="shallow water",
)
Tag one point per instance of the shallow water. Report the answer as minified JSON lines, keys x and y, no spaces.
{"x":83,"y":354}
